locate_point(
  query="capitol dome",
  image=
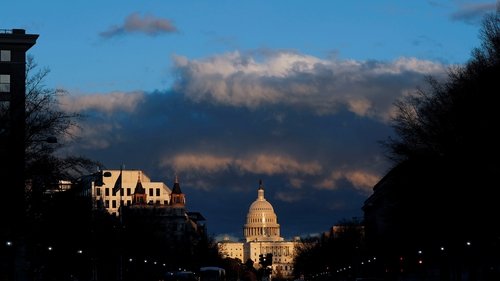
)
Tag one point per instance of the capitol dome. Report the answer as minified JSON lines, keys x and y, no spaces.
{"x":262,"y":222}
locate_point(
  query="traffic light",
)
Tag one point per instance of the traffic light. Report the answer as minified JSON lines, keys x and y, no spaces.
{"x":265,"y":260}
{"x":269,"y":259}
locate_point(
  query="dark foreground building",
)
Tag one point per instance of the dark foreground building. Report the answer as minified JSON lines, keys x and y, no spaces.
{"x":166,"y":235}
{"x":422,"y":224}
{"x":14,"y":43}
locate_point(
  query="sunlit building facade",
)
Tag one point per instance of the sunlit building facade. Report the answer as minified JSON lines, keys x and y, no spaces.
{"x":262,"y":236}
{"x":156,"y":193}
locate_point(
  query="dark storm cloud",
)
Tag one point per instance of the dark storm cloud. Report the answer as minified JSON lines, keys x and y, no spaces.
{"x":148,"y":25}
{"x":473,"y":13}
{"x":307,"y":127}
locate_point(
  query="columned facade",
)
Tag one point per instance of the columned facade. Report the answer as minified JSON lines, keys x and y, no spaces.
{"x":262,"y":222}
{"x":262,"y":236}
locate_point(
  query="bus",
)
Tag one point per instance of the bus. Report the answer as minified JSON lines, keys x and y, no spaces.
{"x":212,"y":273}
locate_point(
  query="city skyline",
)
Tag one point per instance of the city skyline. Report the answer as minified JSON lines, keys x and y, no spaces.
{"x":225,"y":94}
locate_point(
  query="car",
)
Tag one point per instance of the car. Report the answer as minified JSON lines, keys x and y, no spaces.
{"x":212,"y":273}
{"x":181,"y":276}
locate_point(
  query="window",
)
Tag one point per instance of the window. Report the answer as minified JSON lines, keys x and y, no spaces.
{"x":106,"y":203}
{"x":4,"y":55}
{"x":121,"y":191}
{"x":157,"y":192}
{"x":113,"y":204}
{"x":128,"y":191}
{"x":98,"y":191}
{"x":106,"y":191}
{"x":150,"y":192}
{"x":4,"y":83}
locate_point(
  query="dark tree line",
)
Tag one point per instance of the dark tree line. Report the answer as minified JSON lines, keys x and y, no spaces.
{"x":442,"y":189}
{"x":318,"y":257}
{"x":447,"y":136}
{"x":441,"y":194}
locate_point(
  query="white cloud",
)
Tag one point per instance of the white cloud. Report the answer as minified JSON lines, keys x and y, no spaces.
{"x":366,"y":88}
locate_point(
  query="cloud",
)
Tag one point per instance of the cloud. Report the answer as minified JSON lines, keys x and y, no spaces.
{"x":362,"y":180}
{"x":306,"y":126}
{"x":106,"y":103}
{"x":472,"y":13}
{"x":289,"y":197}
{"x":94,"y":136}
{"x":267,"y":164}
{"x":199,"y":162}
{"x":270,"y":164}
{"x":148,"y":25}
{"x":366,"y":88}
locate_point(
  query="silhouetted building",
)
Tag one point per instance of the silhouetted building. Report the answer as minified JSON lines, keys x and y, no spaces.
{"x":13,"y":47}
{"x":14,"y":43}
{"x":337,"y":231}
{"x":418,"y":221}
{"x":164,"y":231}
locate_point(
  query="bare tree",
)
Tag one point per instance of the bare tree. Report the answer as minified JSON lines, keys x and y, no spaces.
{"x":46,"y":126}
{"x":446,"y":154}
{"x":454,"y":118}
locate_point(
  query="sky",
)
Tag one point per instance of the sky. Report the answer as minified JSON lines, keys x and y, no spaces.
{"x":298,"y":94}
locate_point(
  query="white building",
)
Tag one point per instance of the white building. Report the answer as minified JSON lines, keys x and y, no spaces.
{"x":157,"y":192}
{"x":262,"y":236}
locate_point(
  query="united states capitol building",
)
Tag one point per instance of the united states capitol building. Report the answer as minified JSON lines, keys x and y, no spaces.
{"x":262,"y":236}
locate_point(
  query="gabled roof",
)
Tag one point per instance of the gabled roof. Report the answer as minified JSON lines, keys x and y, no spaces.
{"x":177,"y":187}
{"x":139,"y":189}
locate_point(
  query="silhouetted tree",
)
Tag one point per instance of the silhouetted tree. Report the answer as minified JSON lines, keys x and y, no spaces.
{"x":342,"y":246}
{"x":446,"y":152}
{"x":46,"y":122}
{"x":47,"y":129}
{"x":452,"y":128}
{"x":234,"y":268}
{"x":307,"y":259}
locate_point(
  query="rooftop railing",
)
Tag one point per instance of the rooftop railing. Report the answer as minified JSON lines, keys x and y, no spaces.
{"x":12,"y":31}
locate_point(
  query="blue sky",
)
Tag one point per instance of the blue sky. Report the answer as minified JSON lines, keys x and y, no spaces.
{"x":224,"y":93}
